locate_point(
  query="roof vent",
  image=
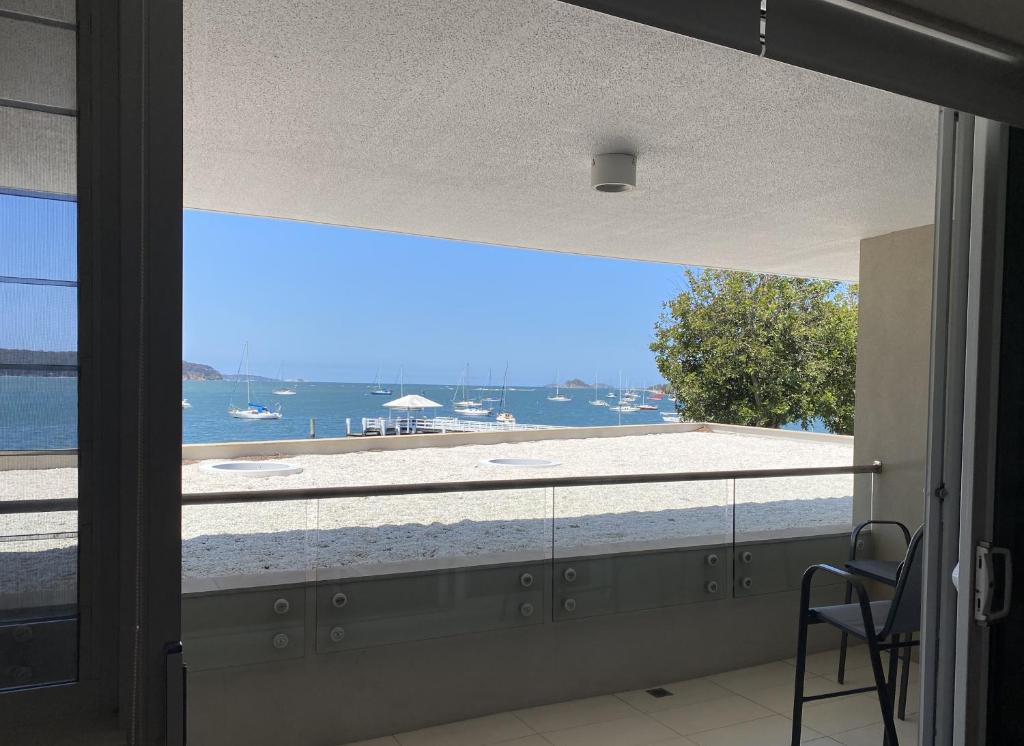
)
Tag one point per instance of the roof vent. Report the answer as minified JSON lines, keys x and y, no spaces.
{"x":613,"y":172}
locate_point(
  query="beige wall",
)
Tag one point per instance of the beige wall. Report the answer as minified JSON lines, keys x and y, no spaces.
{"x":892,"y":376}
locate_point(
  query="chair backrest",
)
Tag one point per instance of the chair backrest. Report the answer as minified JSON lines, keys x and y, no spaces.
{"x":905,"y":612}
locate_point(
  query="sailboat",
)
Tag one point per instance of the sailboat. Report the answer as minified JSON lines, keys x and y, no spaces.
{"x":252,"y":411}
{"x":643,"y":402}
{"x":467,"y":403}
{"x":558,"y":395}
{"x":504,"y":415}
{"x":186,"y":404}
{"x":284,"y":391}
{"x":625,"y":402}
{"x":490,"y":398}
{"x":377,"y":389}
{"x":597,"y":401}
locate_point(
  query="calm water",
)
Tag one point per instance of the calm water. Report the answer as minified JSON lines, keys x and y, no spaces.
{"x":40,"y":413}
{"x":330,"y":403}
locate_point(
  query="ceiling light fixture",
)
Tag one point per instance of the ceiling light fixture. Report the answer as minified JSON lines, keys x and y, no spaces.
{"x":613,"y":172}
{"x":928,"y":31}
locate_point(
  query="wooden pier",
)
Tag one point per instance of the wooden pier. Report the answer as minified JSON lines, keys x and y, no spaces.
{"x":375,"y":426}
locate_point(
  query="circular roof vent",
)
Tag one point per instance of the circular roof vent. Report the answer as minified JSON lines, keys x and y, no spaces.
{"x":521,"y":463}
{"x":613,"y":172}
{"x":253,"y":468}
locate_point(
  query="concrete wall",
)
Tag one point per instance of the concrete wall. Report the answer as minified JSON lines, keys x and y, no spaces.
{"x":892,"y":375}
{"x":321,"y":446}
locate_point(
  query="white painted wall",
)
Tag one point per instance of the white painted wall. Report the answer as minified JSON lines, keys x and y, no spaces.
{"x":892,"y":377}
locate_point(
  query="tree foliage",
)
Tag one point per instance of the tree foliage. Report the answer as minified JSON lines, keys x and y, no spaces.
{"x":761,"y":350}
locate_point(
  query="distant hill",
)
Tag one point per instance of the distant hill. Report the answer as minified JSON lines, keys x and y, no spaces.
{"x":576,"y":383}
{"x":37,"y":357}
{"x":241,"y":377}
{"x":199,"y":372}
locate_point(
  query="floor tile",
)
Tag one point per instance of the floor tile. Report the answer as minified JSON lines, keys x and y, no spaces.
{"x":385,"y":741}
{"x":746,"y":680}
{"x":683,"y":693}
{"x":571,"y":714}
{"x":638,"y":730}
{"x":771,"y":731}
{"x":833,"y":716}
{"x":780,"y":698}
{"x":535,"y":740}
{"x":492,"y":729}
{"x":871,"y":735}
{"x":827,"y":663}
{"x":718,"y":713}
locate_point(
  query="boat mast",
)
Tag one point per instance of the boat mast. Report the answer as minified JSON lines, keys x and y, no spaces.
{"x":248,"y":393}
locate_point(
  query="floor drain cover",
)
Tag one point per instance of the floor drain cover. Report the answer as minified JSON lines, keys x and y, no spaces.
{"x":659,"y":692}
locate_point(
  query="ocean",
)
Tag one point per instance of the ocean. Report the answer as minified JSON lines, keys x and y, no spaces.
{"x":40,"y":413}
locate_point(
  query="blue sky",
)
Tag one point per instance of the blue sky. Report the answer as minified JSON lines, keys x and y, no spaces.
{"x":333,"y":304}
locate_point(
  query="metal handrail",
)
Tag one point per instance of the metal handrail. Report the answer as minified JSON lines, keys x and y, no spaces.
{"x":423,"y":488}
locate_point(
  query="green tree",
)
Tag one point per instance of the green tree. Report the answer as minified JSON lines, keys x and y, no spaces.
{"x":761,"y":350}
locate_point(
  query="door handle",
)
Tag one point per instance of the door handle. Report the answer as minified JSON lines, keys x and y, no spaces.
{"x":985,"y":583}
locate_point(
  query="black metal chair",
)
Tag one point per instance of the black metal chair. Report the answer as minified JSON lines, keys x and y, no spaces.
{"x":881,"y":571}
{"x":883,"y":625}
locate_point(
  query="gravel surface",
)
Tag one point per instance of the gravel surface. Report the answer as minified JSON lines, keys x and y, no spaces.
{"x":367,"y":534}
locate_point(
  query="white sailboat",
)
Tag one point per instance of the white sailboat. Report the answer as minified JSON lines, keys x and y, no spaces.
{"x":186,"y":404}
{"x":377,"y":389}
{"x":558,"y":394}
{"x":284,"y":390}
{"x":467,"y":406}
{"x":670,"y":417}
{"x":597,"y":401}
{"x":504,"y":415}
{"x":252,"y":410}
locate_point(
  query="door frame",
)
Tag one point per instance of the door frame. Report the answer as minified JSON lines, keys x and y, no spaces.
{"x":129,"y":163}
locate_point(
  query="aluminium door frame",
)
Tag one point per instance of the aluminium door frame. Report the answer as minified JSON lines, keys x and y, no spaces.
{"x":981,"y":405}
{"x":129,"y":164}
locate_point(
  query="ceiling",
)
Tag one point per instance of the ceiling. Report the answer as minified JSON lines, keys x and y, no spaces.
{"x":476,"y":119}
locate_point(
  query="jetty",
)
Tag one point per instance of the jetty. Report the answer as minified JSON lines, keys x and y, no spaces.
{"x":375,"y":426}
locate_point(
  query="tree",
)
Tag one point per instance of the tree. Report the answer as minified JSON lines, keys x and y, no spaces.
{"x":761,"y":350}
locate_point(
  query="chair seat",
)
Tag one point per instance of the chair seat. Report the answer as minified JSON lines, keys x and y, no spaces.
{"x":884,"y":571}
{"x":848,"y":617}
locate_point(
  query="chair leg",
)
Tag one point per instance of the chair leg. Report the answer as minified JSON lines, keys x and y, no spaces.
{"x":844,"y":640}
{"x":894,"y":660}
{"x":883,"y":693}
{"x":798,"y":687}
{"x":905,"y":680}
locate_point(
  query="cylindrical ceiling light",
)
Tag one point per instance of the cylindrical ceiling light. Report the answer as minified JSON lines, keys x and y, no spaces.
{"x":613,"y":172}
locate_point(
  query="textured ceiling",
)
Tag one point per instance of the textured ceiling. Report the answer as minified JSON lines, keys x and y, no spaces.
{"x":476,"y":120}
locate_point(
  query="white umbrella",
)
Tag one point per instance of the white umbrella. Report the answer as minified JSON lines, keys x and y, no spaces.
{"x":412,"y":402}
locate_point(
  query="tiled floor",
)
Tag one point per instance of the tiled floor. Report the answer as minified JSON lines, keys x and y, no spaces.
{"x":749,"y":707}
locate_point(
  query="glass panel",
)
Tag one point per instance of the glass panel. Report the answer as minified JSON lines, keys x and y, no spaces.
{"x":410,"y":567}
{"x":45,"y":321}
{"x":57,"y":10}
{"x":786,"y":524}
{"x":37,"y":63}
{"x":627,"y":547}
{"x":37,"y":152}
{"x":38,"y":590}
{"x":793,"y":506}
{"x":38,"y":352}
{"x":244,"y":567}
{"x":38,"y":238}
